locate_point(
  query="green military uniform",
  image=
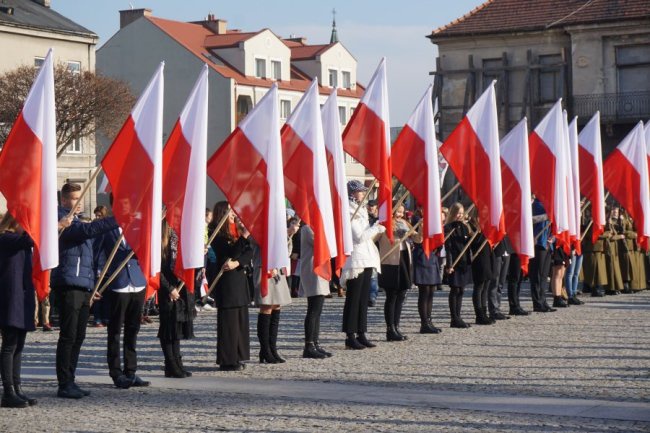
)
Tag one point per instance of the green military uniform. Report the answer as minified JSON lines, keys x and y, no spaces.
{"x":614,"y":277}
{"x":594,"y":268}
{"x":637,"y":257}
{"x":625,"y":246}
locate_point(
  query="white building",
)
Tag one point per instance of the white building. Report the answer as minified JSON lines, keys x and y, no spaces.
{"x":243,"y":67}
{"x":28,"y":29}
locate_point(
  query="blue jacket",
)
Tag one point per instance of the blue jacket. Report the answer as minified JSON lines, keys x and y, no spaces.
{"x":17,"y":297}
{"x":131,"y":273}
{"x":542,"y":226}
{"x":76,"y":264}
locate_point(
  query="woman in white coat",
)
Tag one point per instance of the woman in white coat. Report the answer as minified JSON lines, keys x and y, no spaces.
{"x":357,"y":271}
{"x":314,"y":288}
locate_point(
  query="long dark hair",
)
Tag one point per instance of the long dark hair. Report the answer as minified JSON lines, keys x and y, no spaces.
{"x":221,"y":209}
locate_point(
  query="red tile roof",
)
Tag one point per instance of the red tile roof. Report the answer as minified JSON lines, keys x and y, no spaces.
{"x":199,"y":40}
{"x":308,"y":52}
{"x":503,"y":16}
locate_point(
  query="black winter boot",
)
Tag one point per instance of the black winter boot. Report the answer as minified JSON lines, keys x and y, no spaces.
{"x":10,"y":399}
{"x":273,"y":336}
{"x":392,"y":335}
{"x":311,"y":352}
{"x":19,"y":392}
{"x":263,"y":325}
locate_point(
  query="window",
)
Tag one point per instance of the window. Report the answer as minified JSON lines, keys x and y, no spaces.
{"x":276,"y":69}
{"x":342,"y":117}
{"x":38,"y":62}
{"x":260,"y":68}
{"x":74,"y":147}
{"x":346,"y":78}
{"x":491,"y":71}
{"x":334,"y":77}
{"x":74,"y":67}
{"x":633,"y":68}
{"x":550,"y":79}
{"x":285,"y":108}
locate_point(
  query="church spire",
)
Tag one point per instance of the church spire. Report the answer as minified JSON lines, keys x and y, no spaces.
{"x":334,"y":38}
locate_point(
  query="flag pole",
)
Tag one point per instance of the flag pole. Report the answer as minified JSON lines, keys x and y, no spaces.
{"x":450,"y":192}
{"x":214,"y":282}
{"x":365,"y":198}
{"x":401,"y":200}
{"x":402,"y":239}
{"x":464,"y":250}
{"x":105,"y":268}
{"x":115,"y":273}
{"x":85,"y":189}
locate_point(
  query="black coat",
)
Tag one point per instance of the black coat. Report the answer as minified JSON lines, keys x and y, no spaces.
{"x":232,"y":289}
{"x":17,"y":295}
{"x":457,"y":237}
{"x":483,"y":265}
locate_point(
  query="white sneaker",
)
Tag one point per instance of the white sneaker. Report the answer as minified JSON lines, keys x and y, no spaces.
{"x":197,"y":308}
{"x":208,"y":307}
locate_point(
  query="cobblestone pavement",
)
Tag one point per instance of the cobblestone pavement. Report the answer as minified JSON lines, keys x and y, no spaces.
{"x":599,"y":351}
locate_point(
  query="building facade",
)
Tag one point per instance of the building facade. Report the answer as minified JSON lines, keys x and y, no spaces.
{"x":595,"y":55}
{"x":243,"y":67}
{"x":28,"y":29}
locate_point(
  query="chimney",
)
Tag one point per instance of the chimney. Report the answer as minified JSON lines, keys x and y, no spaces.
{"x":45,"y":3}
{"x":214,"y":24}
{"x":130,"y":15}
{"x":300,"y":39}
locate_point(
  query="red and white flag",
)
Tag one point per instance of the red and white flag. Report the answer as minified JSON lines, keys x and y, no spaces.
{"x":472,"y":151}
{"x":548,"y":179}
{"x":626,"y":177}
{"x":336,"y":171}
{"x":575,"y":183}
{"x":248,"y":169}
{"x":415,"y":164}
{"x":570,"y":195}
{"x":28,"y":174}
{"x":133,"y":165}
{"x":592,"y":186}
{"x":515,"y":172}
{"x":367,"y":139}
{"x":306,"y":180}
{"x":184,"y":180}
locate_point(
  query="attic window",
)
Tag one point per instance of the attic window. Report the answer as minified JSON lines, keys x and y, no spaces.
{"x":334,"y":77}
{"x":260,"y":68}
{"x":276,"y":70}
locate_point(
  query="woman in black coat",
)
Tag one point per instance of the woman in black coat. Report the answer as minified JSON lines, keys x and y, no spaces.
{"x":176,"y":307}
{"x":457,"y":234}
{"x":17,"y":305}
{"x":426,"y":275}
{"x":231,"y":294}
{"x":483,"y":264}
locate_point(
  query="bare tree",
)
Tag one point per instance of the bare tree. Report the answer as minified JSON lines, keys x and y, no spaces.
{"x":86,"y":103}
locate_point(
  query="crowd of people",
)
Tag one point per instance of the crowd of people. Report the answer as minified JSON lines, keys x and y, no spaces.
{"x":613,"y":264}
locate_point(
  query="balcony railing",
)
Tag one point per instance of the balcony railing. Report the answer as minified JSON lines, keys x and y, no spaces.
{"x":614,"y":106}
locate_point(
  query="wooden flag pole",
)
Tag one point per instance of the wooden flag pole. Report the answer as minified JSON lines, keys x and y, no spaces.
{"x":85,"y":189}
{"x":464,"y":250}
{"x":365,"y":198}
{"x":402,"y":239}
{"x":116,"y":272}
{"x":450,"y":192}
{"x":214,"y":282}
{"x":586,"y":230}
{"x":105,"y":268}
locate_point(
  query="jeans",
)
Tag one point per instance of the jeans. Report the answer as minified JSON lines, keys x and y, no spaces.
{"x":374,"y":286}
{"x":572,"y":273}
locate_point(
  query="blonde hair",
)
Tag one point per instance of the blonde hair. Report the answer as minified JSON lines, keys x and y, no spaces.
{"x":8,"y":223}
{"x":454,"y":210}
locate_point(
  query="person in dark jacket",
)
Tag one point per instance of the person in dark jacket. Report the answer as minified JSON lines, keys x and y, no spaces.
{"x":458,"y":274}
{"x":540,"y":265}
{"x":482,"y":273}
{"x":176,"y":307}
{"x":17,"y":302}
{"x":72,"y":283}
{"x":502,"y":253}
{"x":231,"y":294}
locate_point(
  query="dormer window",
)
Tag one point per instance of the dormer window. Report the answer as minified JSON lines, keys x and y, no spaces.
{"x":276,"y":70}
{"x":260,"y":68}
{"x":334,"y":78}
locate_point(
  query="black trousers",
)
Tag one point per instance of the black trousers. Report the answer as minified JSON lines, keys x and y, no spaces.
{"x":355,"y":309}
{"x":312,"y":318}
{"x":538,"y":272}
{"x":480,"y":295}
{"x":393,"y":306}
{"x":125,"y":310}
{"x":74,"y":309}
{"x":11,"y":352}
{"x":233,"y":340}
{"x":502,"y":265}
{"x":514,"y":281}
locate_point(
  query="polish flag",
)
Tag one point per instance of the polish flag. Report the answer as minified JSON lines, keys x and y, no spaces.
{"x":515,"y":171}
{"x":591,"y":173}
{"x":338,"y":188}
{"x":184,"y":180}
{"x":570,"y":195}
{"x":306,"y":180}
{"x":28,"y":174}
{"x":367,"y":139}
{"x":472,"y":151}
{"x":133,"y":165}
{"x":415,"y":164}
{"x":248,"y":169}
{"x":548,"y":178}
{"x":626,"y":177}
{"x":574,"y":181}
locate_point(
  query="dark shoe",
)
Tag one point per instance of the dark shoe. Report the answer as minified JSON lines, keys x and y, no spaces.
{"x":597,"y":292}
{"x":173,"y":370}
{"x":69,"y":391}
{"x":311,"y":352}
{"x":613,"y":293}
{"x":549,"y":309}
{"x":236,"y":367}
{"x":404,"y":337}
{"x":19,"y":392}
{"x":586,"y":288}
{"x":361,"y":338}
{"x":559,"y":302}
{"x":428,"y":328}
{"x":264,"y":337}
{"x":11,"y":400}
{"x":518,"y":311}
{"x":321,"y":350}
{"x":352,"y":343}
{"x":575,"y":301}
{"x":372,"y":303}
{"x":392,"y":335}
{"x":274,"y":326}
{"x":459,"y":323}
{"x":83,"y":391}
{"x":482,"y":318}
{"x":137,"y":381}
{"x":498,"y":315}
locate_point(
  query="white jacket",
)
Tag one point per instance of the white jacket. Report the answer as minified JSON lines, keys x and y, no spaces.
{"x":364,"y":251}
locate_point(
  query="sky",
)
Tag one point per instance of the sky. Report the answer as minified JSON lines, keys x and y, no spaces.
{"x":368,"y":29}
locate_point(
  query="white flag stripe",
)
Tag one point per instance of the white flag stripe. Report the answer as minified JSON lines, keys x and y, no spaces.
{"x":589,"y":140}
{"x":570,"y":195}
{"x":376,"y":98}
{"x":194,"y":124}
{"x":575,"y":173}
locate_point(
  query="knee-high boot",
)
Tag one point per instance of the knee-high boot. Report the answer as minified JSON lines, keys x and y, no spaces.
{"x":273,"y":336}
{"x":263,"y":328}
